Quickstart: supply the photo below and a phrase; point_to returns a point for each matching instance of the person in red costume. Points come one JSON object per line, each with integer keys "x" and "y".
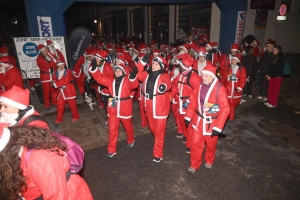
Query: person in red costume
{"x": 213, "y": 53}
{"x": 64, "y": 83}
{"x": 207, "y": 114}
{"x": 234, "y": 81}
{"x": 201, "y": 62}
{"x": 225, "y": 61}
{"x": 46, "y": 65}
{"x": 9, "y": 75}
{"x": 15, "y": 108}
{"x": 187, "y": 82}
{"x": 54, "y": 53}
{"x": 119, "y": 107}
{"x": 79, "y": 75}
{"x": 106, "y": 69}
{"x": 34, "y": 166}
{"x": 4, "y": 53}
{"x": 155, "y": 90}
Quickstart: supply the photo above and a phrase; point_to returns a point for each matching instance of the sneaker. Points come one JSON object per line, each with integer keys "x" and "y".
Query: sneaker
{"x": 155, "y": 159}
{"x": 32, "y": 89}
{"x": 258, "y": 97}
{"x": 208, "y": 166}
{"x": 188, "y": 150}
{"x": 250, "y": 96}
{"x": 131, "y": 144}
{"x": 110, "y": 155}
{"x": 271, "y": 106}
{"x": 179, "y": 135}
{"x": 106, "y": 123}
{"x": 243, "y": 95}
{"x": 75, "y": 119}
{"x": 191, "y": 171}
{"x": 266, "y": 103}
{"x": 184, "y": 139}
{"x": 143, "y": 128}
{"x": 57, "y": 121}
{"x": 243, "y": 100}
{"x": 48, "y": 108}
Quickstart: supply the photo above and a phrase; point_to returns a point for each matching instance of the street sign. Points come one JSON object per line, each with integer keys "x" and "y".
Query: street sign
{"x": 281, "y": 18}
{"x": 282, "y": 9}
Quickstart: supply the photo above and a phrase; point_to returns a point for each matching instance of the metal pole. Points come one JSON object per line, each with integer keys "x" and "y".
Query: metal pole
{"x": 277, "y": 33}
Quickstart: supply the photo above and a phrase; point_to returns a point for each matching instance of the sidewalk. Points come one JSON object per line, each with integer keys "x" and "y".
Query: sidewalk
{"x": 89, "y": 131}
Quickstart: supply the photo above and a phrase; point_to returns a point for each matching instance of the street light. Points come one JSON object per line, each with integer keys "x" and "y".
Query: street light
{"x": 95, "y": 21}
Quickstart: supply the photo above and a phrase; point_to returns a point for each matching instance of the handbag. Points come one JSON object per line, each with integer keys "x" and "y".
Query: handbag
{"x": 287, "y": 68}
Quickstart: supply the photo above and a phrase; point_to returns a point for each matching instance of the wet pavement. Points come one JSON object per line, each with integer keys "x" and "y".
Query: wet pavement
{"x": 258, "y": 159}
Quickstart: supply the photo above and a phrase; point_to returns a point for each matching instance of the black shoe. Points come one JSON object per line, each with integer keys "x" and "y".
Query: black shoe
{"x": 184, "y": 139}
{"x": 188, "y": 150}
{"x": 155, "y": 159}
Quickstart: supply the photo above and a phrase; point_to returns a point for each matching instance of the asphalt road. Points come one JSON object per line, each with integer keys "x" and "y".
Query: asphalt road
{"x": 258, "y": 159}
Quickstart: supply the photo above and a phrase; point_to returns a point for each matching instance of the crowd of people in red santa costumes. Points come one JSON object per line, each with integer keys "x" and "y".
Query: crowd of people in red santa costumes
{"x": 198, "y": 83}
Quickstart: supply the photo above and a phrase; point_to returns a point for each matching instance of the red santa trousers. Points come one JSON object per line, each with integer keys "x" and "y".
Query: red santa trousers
{"x": 197, "y": 146}
{"x": 187, "y": 131}
{"x": 114, "y": 124}
{"x": 144, "y": 121}
{"x": 273, "y": 90}
{"x": 60, "y": 107}
{"x": 158, "y": 129}
{"x": 233, "y": 103}
{"x": 47, "y": 91}
{"x": 174, "y": 108}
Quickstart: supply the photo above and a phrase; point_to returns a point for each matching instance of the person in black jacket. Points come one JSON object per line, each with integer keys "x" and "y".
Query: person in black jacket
{"x": 263, "y": 66}
{"x": 249, "y": 61}
{"x": 275, "y": 76}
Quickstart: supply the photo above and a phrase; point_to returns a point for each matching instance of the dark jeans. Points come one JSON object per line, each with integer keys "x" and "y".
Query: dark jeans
{"x": 248, "y": 87}
{"x": 263, "y": 83}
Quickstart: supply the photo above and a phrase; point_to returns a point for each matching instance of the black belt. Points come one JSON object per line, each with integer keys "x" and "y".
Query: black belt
{"x": 122, "y": 99}
{"x": 208, "y": 118}
{"x": 42, "y": 72}
{"x": 185, "y": 97}
{"x": 149, "y": 96}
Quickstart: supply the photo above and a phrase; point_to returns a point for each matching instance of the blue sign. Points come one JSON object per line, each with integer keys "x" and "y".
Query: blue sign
{"x": 29, "y": 49}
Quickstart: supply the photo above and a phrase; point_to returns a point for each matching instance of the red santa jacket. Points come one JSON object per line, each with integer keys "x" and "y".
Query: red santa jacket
{"x": 65, "y": 84}
{"x": 36, "y": 123}
{"x": 77, "y": 69}
{"x": 46, "y": 175}
{"x": 184, "y": 88}
{"x": 107, "y": 70}
{"x": 45, "y": 68}
{"x": 215, "y": 109}
{"x": 160, "y": 102}
{"x": 11, "y": 77}
{"x": 232, "y": 82}
{"x": 122, "y": 103}
{"x": 12, "y": 60}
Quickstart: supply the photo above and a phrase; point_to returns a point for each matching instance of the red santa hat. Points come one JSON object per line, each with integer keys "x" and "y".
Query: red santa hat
{"x": 201, "y": 51}
{"x": 234, "y": 47}
{"x": 156, "y": 51}
{"x": 143, "y": 46}
{"x": 161, "y": 61}
{"x": 49, "y": 43}
{"x": 60, "y": 62}
{"x": 109, "y": 47}
{"x": 185, "y": 61}
{"x": 120, "y": 67}
{"x": 101, "y": 55}
{"x": 209, "y": 69}
{"x": 3, "y": 49}
{"x": 214, "y": 45}
{"x": 41, "y": 47}
{"x": 122, "y": 58}
{"x": 270, "y": 41}
{"x": 4, "y": 137}
{"x": 5, "y": 61}
{"x": 185, "y": 46}
{"x": 141, "y": 55}
{"x": 16, "y": 97}
{"x": 237, "y": 57}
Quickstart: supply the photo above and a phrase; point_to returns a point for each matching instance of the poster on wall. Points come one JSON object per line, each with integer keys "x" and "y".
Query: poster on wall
{"x": 240, "y": 27}
{"x": 27, "y": 53}
{"x": 260, "y": 24}
{"x": 45, "y": 26}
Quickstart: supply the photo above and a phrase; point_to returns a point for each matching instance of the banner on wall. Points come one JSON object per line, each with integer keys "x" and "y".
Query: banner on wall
{"x": 260, "y": 25}
{"x": 240, "y": 26}
{"x": 45, "y": 26}
{"x": 27, "y": 53}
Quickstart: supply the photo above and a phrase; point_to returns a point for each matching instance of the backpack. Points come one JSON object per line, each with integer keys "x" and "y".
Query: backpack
{"x": 287, "y": 68}
{"x": 75, "y": 154}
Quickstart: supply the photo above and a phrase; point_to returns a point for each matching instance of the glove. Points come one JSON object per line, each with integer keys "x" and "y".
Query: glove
{"x": 53, "y": 85}
{"x": 162, "y": 88}
{"x": 133, "y": 73}
{"x": 187, "y": 122}
{"x": 185, "y": 105}
{"x": 146, "y": 58}
{"x": 237, "y": 90}
{"x": 73, "y": 73}
{"x": 215, "y": 133}
{"x": 94, "y": 65}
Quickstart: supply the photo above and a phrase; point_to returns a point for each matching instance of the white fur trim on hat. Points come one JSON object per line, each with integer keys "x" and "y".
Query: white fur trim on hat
{"x": 208, "y": 72}
{"x": 120, "y": 67}
{"x": 201, "y": 54}
{"x": 12, "y": 103}
{"x": 59, "y": 63}
{"x": 236, "y": 58}
{"x": 184, "y": 67}
{"x": 4, "y": 138}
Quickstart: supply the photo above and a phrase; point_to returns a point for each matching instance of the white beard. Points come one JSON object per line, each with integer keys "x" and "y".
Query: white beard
{"x": 134, "y": 57}
{"x": 234, "y": 68}
{"x": 60, "y": 73}
{"x": 201, "y": 66}
{"x": 52, "y": 50}
{"x": 48, "y": 57}
{"x": 9, "y": 118}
